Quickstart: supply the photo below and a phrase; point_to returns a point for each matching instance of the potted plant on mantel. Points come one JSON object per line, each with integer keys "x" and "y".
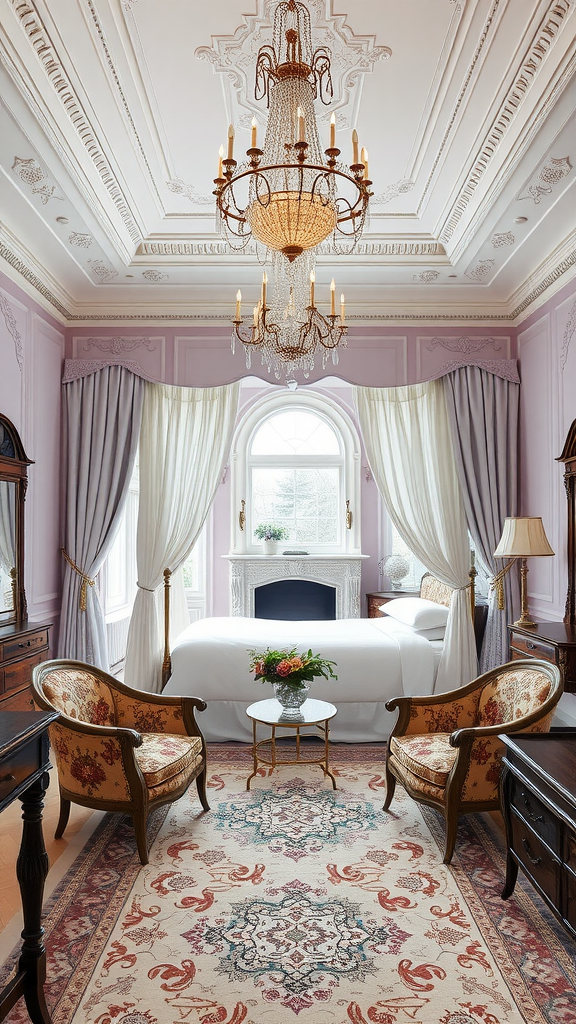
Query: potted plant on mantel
{"x": 271, "y": 535}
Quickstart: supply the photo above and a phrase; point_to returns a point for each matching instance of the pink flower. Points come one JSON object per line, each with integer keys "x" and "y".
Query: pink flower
{"x": 284, "y": 668}
{"x": 296, "y": 664}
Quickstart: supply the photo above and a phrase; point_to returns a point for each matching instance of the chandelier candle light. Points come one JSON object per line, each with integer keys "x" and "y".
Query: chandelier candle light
{"x": 290, "y": 197}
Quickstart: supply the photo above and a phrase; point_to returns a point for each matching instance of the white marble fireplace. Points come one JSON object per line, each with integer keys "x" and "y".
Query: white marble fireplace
{"x": 247, "y": 572}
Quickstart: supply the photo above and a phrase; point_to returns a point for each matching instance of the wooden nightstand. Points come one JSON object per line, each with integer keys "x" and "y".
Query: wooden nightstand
{"x": 552, "y": 641}
{"x": 379, "y": 597}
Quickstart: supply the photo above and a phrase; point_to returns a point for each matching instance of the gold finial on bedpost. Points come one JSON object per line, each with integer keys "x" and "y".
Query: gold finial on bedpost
{"x": 167, "y": 663}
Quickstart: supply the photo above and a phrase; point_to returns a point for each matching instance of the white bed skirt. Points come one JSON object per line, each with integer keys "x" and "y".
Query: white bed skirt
{"x": 376, "y": 659}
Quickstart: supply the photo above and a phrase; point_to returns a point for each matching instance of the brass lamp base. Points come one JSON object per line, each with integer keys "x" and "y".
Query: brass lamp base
{"x": 524, "y": 619}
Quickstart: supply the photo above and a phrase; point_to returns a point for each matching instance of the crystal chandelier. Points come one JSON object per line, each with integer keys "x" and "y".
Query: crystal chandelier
{"x": 289, "y": 197}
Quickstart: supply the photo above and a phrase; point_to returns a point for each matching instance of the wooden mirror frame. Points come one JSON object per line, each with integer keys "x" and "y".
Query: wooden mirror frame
{"x": 568, "y": 457}
{"x": 15, "y": 470}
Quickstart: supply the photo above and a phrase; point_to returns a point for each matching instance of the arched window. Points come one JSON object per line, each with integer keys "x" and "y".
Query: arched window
{"x": 295, "y": 466}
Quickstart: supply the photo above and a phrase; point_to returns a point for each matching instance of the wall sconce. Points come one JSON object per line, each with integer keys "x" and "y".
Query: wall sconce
{"x": 521, "y": 538}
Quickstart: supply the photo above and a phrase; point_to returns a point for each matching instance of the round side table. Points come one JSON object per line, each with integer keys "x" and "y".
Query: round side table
{"x": 268, "y": 712}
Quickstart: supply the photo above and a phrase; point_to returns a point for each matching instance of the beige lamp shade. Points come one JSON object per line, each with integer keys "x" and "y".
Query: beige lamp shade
{"x": 523, "y": 537}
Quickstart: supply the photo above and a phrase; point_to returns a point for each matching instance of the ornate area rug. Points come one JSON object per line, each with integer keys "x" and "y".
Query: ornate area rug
{"x": 295, "y": 903}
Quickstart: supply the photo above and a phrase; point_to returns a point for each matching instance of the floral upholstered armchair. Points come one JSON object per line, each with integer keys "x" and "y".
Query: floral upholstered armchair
{"x": 445, "y": 749}
{"x": 119, "y": 749}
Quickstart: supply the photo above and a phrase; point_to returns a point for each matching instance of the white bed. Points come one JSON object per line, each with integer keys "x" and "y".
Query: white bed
{"x": 376, "y": 659}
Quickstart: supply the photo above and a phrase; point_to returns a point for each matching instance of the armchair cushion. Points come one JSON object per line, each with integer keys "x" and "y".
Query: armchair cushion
{"x": 429, "y": 757}
{"x": 512, "y": 695}
{"x": 163, "y": 756}
{"x": 81, "y": 695}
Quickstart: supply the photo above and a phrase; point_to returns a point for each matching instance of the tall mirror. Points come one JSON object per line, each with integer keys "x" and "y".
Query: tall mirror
{"x": 13, "y": 483}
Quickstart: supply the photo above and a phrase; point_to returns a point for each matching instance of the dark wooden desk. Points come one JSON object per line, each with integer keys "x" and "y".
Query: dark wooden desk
{"x": 538, "y": 796}
{"x": 24, "y": 766}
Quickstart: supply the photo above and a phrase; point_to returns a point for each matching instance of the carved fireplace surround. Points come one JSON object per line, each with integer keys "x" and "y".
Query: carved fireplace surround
{"x": 247, "y": 572}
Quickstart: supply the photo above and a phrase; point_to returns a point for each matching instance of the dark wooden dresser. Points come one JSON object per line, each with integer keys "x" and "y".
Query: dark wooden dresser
{"x": 538, "y": 796}
{"x": 22, "y": 646}
{"x": 552, "y": 641}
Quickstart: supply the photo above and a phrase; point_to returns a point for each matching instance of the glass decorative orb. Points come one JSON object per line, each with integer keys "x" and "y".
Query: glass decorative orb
{"x": 396, "y": 568}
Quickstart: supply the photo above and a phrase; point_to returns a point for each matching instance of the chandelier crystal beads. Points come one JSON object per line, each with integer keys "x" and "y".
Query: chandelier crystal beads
{"x": 290, "y": 197}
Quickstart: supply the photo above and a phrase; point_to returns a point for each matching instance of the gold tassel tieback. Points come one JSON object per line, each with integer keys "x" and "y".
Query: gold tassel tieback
{"x": 86, "y": 581}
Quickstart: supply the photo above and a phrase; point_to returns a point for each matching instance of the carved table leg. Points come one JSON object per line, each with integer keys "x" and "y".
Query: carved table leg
{"x": 31, "y": 871}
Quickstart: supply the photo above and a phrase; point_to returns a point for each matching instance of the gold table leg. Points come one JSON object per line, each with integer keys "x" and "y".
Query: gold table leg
{"x": 254, "y": 756}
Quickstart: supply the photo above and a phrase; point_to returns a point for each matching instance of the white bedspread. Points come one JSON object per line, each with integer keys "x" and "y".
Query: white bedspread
{"x": 376, "y": 659}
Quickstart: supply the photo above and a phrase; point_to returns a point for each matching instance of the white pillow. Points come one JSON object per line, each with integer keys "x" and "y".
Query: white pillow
{"x": 416, "y": 612}
{"x": 431, "y": 634}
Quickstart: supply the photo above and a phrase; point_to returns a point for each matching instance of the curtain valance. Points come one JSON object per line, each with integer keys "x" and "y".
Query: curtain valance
{"x": 354, "y": 373}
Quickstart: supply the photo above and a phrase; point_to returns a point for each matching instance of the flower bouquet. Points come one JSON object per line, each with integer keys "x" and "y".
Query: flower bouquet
{"x": 291, "y": 674}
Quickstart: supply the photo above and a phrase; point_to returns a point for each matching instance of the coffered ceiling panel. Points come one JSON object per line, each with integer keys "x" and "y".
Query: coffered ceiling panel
{"x": 112, "y": 113}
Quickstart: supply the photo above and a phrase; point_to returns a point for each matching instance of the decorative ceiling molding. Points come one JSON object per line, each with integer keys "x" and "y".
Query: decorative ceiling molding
{"x": 545, "y": 179}
{"x": 39, "y": 39}
{"x": 501, "y": 239}
{"x": 102, "y": 270}
{"x": 32, "y": 279}
{"x": 155, "y": 276}
{"x": 453, "y": 117}
{"x": 352, "y": 57}
{"x": 117, "y": 83}
{"x": 32, "y": 173}
{"x": 80, "y": 239}
{"x": 17, "y": 263}
{"x": 392, "y": 192}
{"x": 531, "y": 64}
{"x": 12, "y": 328}
{"x": 480, "y": 271}
{"x": 181, "y": 188}
{"x": 165, "y": 247}
{"x": 568, "y": 334}
{"x": 426, "y": 276}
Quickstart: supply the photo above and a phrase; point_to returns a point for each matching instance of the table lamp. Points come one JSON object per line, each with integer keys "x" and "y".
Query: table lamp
{"x": 522, "y": 537}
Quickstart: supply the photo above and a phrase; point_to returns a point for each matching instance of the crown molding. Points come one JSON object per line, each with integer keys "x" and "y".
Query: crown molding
{"x": 167, "y": 247}
{"x": 551, "y": 276}
{"x": 45, "y": 50}
{"x": 531, "y": 64}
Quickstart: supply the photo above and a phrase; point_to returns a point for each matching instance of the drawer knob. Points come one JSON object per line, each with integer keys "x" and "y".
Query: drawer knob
{"x": 530, "y": 813}
{"x": 530, "y": 645}
{"x": 534, "y": 860}
{"x": 7, "y": 778}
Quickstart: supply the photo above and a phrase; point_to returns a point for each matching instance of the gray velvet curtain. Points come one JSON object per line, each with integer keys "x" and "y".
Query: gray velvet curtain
{"x": 103, "y": 412}
{"x": 483, "y": 415}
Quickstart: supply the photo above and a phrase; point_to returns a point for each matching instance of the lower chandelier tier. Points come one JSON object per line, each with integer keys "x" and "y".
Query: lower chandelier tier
{"x": 294, "y": 345}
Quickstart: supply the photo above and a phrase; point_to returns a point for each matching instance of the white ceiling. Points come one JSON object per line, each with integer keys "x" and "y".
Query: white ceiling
{"x": 112, "y": 113}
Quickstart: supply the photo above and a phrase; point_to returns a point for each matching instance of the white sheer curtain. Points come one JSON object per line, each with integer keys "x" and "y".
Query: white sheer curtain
{"x": 407, "y": 438}
{"x": 184, "y": 443}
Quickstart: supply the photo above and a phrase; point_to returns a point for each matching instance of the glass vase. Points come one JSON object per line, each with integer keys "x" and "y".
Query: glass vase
{"x": 291, "y": 698}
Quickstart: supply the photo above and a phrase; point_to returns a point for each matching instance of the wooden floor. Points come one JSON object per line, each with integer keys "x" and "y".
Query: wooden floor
{"x": 10, "y": 835}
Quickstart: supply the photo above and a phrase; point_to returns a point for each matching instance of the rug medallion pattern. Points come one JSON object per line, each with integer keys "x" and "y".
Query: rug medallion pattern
{"x": 295, "y": 904}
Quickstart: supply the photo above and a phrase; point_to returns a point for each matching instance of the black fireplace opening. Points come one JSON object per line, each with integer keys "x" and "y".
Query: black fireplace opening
{"x": 295, "y": 599}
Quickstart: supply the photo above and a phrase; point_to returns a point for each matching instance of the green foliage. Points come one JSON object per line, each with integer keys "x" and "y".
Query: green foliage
{"x": 289, "y": 667}
{"x": 267, "y": 531}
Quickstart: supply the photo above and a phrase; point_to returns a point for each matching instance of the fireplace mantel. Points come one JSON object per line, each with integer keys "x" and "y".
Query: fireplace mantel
{"x": 247, "y": 572}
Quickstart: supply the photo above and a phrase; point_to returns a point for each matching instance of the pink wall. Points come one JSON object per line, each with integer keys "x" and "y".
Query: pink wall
{"x": 32, "y": 345}
{"x": 547, "y": 360}
{"x": 377, "y": 356}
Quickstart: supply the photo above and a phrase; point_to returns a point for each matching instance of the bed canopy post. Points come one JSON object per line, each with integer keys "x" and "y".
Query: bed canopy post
{"x": 167, "y": 663}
